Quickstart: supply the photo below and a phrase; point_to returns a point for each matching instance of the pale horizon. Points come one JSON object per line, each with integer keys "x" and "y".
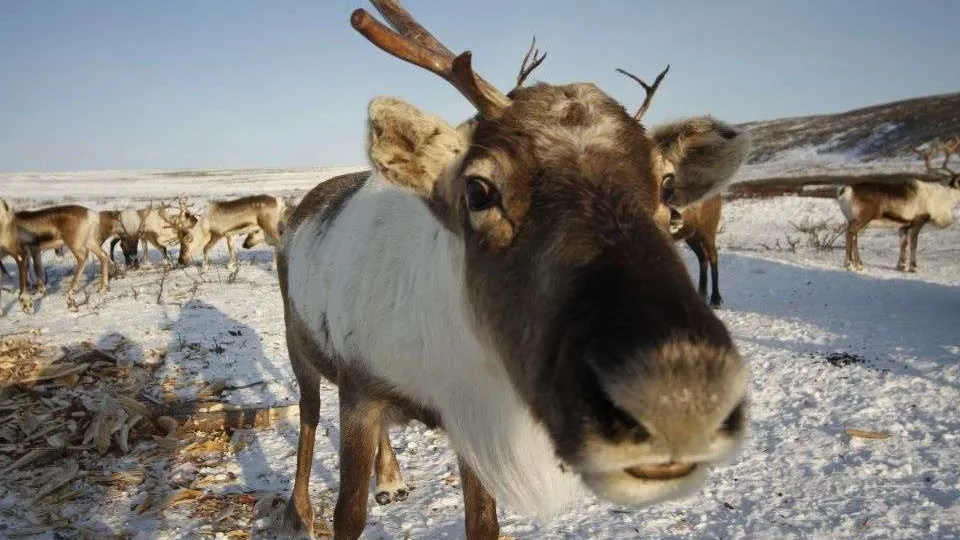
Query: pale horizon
{"x": 110, "y": 85}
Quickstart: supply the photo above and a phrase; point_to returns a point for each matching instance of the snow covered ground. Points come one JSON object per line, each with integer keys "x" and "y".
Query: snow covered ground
{"x": 830, "y": 350}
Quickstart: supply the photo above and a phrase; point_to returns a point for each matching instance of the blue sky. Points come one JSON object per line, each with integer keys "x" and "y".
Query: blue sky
{"x": 119, "y": 84}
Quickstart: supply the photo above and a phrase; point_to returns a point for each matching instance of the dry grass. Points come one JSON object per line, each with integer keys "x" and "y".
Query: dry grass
{"x": 821, "y": 235}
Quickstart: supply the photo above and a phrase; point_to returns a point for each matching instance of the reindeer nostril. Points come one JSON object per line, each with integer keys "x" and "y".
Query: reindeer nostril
{"x": 735, "y": 421}
{"x": 630, "y": 427}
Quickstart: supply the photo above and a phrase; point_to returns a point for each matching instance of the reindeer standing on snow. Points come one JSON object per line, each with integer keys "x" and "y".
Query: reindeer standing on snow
{"x": 907, "y": 205}
{"x": 26, "y": 233}
{"x": 695, "y": 222}
{"x": 227, "y": 219}
{"x": 152, "y": 226}
{"x": 512, "y": 282}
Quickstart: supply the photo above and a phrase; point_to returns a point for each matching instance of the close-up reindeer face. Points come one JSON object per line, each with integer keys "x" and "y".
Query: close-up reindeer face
{"x": 557, "y": 195}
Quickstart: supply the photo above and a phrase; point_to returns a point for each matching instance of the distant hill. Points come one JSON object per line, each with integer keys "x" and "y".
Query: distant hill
{"x": 890, "y": 130}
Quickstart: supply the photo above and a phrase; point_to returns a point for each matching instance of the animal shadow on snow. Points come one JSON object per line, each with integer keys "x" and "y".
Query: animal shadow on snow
{"x": 207, "y": 344}
{"x": 879, "y": 318}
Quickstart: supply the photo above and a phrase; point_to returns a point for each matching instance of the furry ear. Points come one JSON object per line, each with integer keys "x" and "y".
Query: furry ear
{"x": 411, "y": 148}
{"x": 705, "y": 152}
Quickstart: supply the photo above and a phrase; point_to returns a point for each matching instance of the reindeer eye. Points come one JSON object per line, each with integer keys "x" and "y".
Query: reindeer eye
{"x": 480, "y": 193}
{"x": 667, "y": 187}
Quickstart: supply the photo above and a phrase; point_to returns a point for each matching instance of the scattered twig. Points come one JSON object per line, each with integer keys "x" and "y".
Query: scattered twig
{"x": 863, "y": 434}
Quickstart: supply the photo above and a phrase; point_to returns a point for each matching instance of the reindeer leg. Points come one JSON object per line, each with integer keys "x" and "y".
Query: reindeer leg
{"x": 299, "y": 515}
{"x": 914, "y": 236}
{"x": 852, "y": 259}
{"x": 143, "y": 252}
{"x": 26, "y": 303}
{"x": 359, "y": 430}
{"x": 206, "y": 252}
{"x": 232, "y": 251}
{"x": 480, "y": 508}
{"x": 390, "y": 484}
{"x": 81, "y": 256}
{"x": 711, "y": 249}
{"x": 904, "y": 245}
{"x": 37, "y": 257}
{"x": 696, "y": 244}
{"x": 106, "y": 265}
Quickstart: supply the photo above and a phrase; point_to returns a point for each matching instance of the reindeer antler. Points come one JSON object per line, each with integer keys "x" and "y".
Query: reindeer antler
{"x": 414, "y": 44}
{"x": 650, "y": 89}
{"x": 948, "y": 148}
{"x": 172, "y": 223}
{"x": 526, "y": 70}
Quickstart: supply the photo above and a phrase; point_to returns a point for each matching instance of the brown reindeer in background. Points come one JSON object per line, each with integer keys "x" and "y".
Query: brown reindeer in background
{"x": 227, "y": 219}
{"x": 510, "y": 281}
{"x": 27, "y": 233}
{"x": 695, "y": 223}
{"x": 906, "y": 205}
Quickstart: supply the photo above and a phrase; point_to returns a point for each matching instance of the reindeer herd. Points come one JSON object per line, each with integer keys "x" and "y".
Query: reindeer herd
{"x": 26, "y": 234}
{"x": 512, "y": 279}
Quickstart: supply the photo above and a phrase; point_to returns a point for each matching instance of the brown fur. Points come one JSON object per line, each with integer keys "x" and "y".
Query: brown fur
{"x": 699, "y": 230}
{"x": 29, "y": 232}
{"x": 702, "y": 149}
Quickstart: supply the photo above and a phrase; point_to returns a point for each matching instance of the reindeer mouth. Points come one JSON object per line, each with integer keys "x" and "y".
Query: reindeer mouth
{"x": 667, "y": 471}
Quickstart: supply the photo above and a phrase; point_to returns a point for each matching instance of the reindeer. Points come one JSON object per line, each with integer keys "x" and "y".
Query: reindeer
{"x": 152, "y": 226}
{"x": 108, "y": 226}
{"x": 227, "y": 219}
{"x": 907, "y": 205}
{"x": 696, "y": 223}
{"x": 28, "y": 232}
{"x": 509, "y": 281}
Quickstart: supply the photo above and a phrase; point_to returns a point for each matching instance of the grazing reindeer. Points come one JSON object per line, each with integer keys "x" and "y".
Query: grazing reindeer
{"x": 695, "y": 223}
{"x": 508, "y": 281}
{"x": 907, "y": 205}
{"x": 28, "y": 232}
{"x": 116, "y": 224}
{"x": 253, "y": 239}
{"x": 152, "y": 226}
{"x": 227, "y": 219}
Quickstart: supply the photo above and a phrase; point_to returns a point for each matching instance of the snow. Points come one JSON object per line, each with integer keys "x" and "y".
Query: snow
{"x": 829, "y": 350}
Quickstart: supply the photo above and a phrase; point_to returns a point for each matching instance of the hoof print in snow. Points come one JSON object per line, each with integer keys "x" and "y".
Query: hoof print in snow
{"x": 387, "y": 497}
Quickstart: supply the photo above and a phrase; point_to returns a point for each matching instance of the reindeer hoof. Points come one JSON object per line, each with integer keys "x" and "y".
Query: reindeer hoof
{"x": 716, "y": 303}
{"x": 912, "y": 269}
{"x": 26, "y": 304}
{"x": 283, "y": 520}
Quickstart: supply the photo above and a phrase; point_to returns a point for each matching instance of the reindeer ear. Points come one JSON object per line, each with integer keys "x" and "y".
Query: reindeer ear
{"x": 411, "y": 148}
{"x": 706, "y": 153}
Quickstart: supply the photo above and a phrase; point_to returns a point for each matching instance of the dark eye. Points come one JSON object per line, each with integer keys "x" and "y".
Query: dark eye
{"x": 668, "y": 186}
{"x": 480, "y": 194}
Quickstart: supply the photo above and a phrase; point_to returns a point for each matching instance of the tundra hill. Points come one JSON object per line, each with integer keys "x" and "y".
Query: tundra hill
{"x": 889, "y": 130}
